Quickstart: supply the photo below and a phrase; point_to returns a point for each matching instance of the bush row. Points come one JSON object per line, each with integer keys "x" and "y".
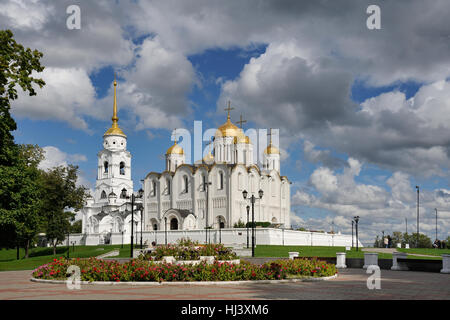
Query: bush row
{"x": 93, "y": 269}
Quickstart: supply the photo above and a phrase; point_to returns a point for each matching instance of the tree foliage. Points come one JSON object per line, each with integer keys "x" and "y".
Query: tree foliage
{"x": 19, "y": 176}
{"x": 60, "y": 194}
{"x": 16, "y": 66}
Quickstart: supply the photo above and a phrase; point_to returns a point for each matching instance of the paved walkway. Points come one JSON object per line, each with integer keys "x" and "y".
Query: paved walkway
{"x": 392, "y": 250}
{"x": 350, "y": 285}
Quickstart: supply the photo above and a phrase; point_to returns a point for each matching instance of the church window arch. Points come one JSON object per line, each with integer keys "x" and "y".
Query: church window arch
{"x": 220, "y": 185}
{"x": 240, "y": 181}
{"x": 122, "y": 168}
{"x": 105, "y": 166}
{"x": 153, "y": 188}
{"x": 168, "y": 186}
{"x": 103, "y": 195}
{"x": 203, "y": 182}
{"x": 186, "y": 184}
{"x": 123, "y": 194}
{"x": 174, "y": 224}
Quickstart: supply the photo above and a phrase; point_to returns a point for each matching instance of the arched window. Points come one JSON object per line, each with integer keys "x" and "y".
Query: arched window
{"x": 186, "y": 184}
{"x": 203, "y": 183}
{"x": 122, "y": 168}
{"x": 103, "y": 195}
{"x": 174, "y": 224}
{"x": 168, "y": 185}
{"x": 240, "y": 181}
{"x": 123, "y": 194}
{"x": 153, "y": 188}
{"x": 220, "y": 180}
{"x": 105, "y": 166}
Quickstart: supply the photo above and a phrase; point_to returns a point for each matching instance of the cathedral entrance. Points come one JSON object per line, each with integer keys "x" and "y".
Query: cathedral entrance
{"x": 174, "y": 224}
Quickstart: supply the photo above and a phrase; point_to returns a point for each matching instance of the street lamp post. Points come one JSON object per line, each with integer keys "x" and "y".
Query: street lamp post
{"x": 220, "y": 230}
{"x": 436, "y": 223}
{"x": 356, "y": 225}
{"x": 133, "y": 197}
{"x": 165, "y": 228}
{"x": 248, "y": 212}
{"x": 68, "y": 245}
{"x": 142, "y": 219}
{"x": 417, "y": 238}
{"x": 252, "y": 201}
{"x": 122, "y": 239}
{"x": 206, "y": 186}
{"x": 353, "y": 222}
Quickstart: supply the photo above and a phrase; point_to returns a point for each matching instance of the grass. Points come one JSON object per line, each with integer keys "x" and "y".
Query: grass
{"x": 40, "y": 256}
{"x": 429, "y": 252}
{"x": 309, "y": 251}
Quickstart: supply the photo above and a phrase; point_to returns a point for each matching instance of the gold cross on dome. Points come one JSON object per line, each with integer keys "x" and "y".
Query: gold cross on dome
{"x": 270, "y": 135}
{"x": 175, "y": 134}
{"x": 229, "y": 109}
{"x": 242, "y": 121}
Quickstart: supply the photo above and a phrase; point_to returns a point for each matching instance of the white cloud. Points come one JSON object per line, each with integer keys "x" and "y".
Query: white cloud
{"x": 67, "y": 96}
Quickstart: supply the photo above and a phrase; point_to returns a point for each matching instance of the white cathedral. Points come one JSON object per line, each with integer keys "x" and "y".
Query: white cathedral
{"x": 207, "y": 194}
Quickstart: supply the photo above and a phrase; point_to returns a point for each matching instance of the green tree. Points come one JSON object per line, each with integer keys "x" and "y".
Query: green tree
{"x": 76, "y": 227}
{"x": 239, "y": 224}
{"x": 16, "y": 66}
{"x": 397, "y": 237}
{"x": 60, "y": 194}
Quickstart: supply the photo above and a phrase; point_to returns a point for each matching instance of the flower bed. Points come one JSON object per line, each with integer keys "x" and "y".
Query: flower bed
{"x": 93, "y": 269}
{"x": 186, "y": 249}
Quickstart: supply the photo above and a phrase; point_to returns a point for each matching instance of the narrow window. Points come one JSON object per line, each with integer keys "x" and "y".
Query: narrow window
{"x": 186, "y": 184}
{"x": 204, "y": 183}
{"x": 105, "y": 165}
{"x": 221, "y": 180}
{"x": 103, "y": 195}
{"x": 168, "y": 186}
{"x": 153, "y": 188}
{"x": 122, "y": 168}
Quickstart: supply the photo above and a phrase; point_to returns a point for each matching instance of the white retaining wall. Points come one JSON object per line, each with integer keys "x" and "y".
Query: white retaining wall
{"x": 234, "y": 236}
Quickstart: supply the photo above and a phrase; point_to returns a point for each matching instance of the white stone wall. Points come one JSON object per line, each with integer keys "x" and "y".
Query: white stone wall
{"x": 237, "y": 236}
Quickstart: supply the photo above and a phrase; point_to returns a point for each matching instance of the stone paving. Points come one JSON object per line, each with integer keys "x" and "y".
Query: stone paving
{"x": 349, "y": 285}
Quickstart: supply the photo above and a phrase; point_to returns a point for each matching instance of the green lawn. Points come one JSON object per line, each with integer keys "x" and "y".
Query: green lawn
{"x": 309, "y": 251}
{"x": 430, "y": 252}
{"x": 40, "y": 256}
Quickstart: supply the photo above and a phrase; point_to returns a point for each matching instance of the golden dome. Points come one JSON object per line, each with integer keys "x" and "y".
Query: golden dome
{"x": 115, "y": 130}
{"x": 175, "y": 149}
{"x": 228, "y": 129}
{"x": 209, "y": 158}
{"x": 271, "y": 149}
{"x": 242, "y": 138}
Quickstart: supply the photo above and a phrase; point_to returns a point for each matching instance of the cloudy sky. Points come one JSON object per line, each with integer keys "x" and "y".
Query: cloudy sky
{"x": 363, "y": 115}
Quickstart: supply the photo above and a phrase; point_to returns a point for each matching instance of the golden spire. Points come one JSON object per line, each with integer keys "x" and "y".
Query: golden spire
{"x": 115, "y": 130}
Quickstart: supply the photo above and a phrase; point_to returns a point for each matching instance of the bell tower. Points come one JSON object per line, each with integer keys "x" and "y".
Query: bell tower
{"x": 114, "y": 163}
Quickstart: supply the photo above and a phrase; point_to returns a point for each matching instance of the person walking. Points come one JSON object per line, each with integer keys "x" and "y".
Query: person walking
{"x": 386, "y": 242}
